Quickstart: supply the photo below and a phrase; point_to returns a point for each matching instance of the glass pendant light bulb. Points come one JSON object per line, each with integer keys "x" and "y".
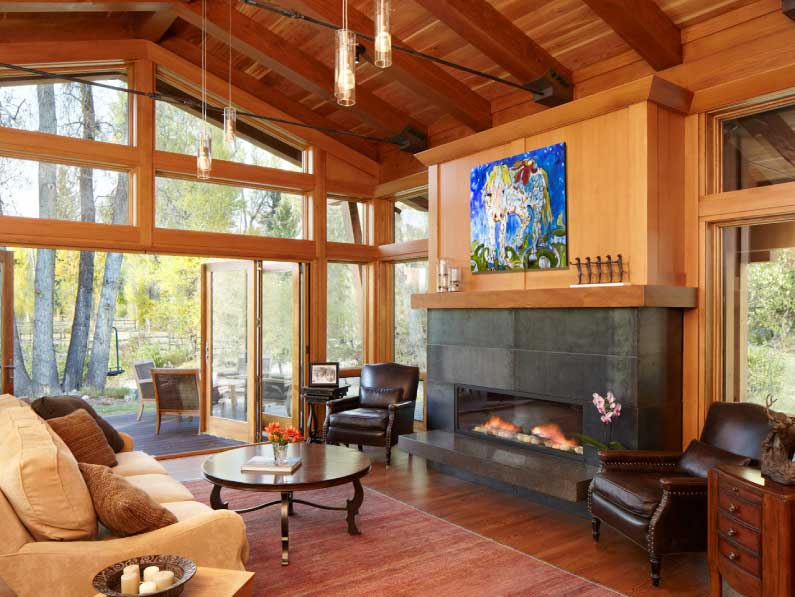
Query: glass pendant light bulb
{"x": 345, "y": 67}
{"x": 230, "y": 125}
{"x": 383, "y": 39}
{"x": 204, "y": 157}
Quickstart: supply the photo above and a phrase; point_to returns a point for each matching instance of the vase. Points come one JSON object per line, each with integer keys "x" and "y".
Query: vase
{"x": 279, "y": 454}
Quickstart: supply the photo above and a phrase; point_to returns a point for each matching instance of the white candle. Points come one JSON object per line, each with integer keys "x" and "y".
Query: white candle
{"x": 164, "y": 579}
{"x": 133, "y": 569}
{"x": 129, "y": 583}
{"x": 149, "y": 586}
{"x": 150, "y": 572}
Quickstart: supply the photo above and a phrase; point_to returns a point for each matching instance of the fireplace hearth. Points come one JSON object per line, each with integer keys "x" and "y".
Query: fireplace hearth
{"x": 547, "y": 423}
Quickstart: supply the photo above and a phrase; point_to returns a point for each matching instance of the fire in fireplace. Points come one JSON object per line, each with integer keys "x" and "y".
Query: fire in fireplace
{"x": 528, "y": 421}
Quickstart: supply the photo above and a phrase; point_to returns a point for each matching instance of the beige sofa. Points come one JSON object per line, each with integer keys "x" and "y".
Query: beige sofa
{"x": 54, "y": 568}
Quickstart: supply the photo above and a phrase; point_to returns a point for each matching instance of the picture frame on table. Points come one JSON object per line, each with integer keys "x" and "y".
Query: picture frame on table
{"x": 324, "y": 375}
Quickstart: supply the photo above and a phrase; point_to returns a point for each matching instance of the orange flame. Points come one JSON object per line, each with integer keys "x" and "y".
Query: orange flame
{"x": 496, "y": 422}
{"x": 554, "y": 433}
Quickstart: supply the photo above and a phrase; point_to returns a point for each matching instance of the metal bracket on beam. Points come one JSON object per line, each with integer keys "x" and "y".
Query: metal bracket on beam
{"x": 411, "y": 139}
{"x": 552, "y": 89}
{"x": 788, "y": 8}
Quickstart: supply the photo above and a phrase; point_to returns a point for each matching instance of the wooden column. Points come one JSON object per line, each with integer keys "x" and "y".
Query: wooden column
{"x": 143, "y": 135}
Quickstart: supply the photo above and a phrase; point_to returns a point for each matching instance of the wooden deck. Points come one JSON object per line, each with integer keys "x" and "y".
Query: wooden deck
{"x": 175, "y": 436}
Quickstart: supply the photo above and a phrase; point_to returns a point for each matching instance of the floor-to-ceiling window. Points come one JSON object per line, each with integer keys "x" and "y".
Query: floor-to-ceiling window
{"x": 410, "y": 331}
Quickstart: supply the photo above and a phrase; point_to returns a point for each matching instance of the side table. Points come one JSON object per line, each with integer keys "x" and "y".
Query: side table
{"x": 311, "y": 397}
{"x": 213, "y": 582}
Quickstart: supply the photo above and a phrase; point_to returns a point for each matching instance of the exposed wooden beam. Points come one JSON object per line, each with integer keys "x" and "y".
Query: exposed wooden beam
{"x": 483, "y": 26}
{"x": 65, "y": 27}
{"x": 262, "y": 45}
{"x": 425, "y": 78}
{"x": 266, "y": 93}
{"x": 85, "y": 6}
{"x": 645, "y": 28}
{"x": 154, "y": 26}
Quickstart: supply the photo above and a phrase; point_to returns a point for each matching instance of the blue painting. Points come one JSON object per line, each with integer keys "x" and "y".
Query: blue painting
{"x": 517, "y": 212}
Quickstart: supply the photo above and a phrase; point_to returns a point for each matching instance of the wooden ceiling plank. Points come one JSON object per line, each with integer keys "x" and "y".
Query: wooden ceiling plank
{"x": 483, "y": 26}
{"x": 425, "y": 78}
{"x": 262, "y": 45}
{"x": 155, "y": 26}
{"x": 86, "y": 6}
{"x": 266, "y": 93}
{"x": 645, "y": 28}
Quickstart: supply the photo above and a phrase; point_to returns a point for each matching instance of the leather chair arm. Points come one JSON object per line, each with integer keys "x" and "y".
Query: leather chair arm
{"x": 679, "y": 523}
{"x": 639, "y": 460}
{"x": 401, "y": 418}
{"x": 679, "y": 484}
{"x": 340, "y": 404}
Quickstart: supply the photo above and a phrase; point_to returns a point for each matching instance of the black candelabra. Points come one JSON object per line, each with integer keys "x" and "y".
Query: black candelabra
{"x": 600, "y": 271}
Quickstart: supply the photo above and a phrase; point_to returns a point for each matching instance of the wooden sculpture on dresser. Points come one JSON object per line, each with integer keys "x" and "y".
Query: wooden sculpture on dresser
{"x": 778, "y": 448}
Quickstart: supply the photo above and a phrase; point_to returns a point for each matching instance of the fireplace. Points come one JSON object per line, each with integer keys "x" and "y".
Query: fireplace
{"x": 548, "y": 423}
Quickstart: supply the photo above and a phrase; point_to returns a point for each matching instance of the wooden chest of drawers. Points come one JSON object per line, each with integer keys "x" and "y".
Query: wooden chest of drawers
{"x": 751, "y": 533}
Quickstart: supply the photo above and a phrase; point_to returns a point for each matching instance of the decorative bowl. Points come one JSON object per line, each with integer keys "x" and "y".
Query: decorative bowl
{"x": 108, "y": 581}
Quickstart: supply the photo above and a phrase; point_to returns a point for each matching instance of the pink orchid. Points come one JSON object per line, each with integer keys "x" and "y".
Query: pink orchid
{"x": 608, "y": 409}
{"x": 599, "y": 402}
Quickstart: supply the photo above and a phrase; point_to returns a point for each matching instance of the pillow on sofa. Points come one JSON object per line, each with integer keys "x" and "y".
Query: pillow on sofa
{"x": 700, "y": 457}
{"x": 380, "y": 397}
{"x": 40, "y": 478}
{"x": 123, "y": 508}
{"x": 85, "y": 439}
{"x": 50, "y": 407}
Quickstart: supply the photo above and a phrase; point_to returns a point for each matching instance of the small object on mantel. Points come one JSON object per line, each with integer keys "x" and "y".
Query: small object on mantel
{"x": 598, "y": 269}
{"x": 609, "y": 269}
{"x": 778, "y": 448}
{"x": 455, "y": 279}
{"x": 588, "y": 265}
{"x": 600, "y": 276}
{"x": 578, "y": 263}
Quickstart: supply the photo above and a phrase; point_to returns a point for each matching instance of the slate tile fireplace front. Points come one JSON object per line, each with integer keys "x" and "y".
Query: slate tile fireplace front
{"x": 563, "y": 355}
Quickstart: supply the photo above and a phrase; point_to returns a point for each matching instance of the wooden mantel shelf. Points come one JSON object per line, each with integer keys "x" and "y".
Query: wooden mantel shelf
{"x": 678, "y": 297}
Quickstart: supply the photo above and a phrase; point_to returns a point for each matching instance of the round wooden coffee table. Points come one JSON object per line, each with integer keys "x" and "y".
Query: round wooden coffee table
{"x": 322, "y": 466}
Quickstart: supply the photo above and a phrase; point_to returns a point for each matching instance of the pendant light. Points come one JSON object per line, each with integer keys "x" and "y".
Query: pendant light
{"x": 383, "y": 39}
{"x": 345, "y": 62}
{"x": 230, "y": 113}
{"x": 204, "y": 155}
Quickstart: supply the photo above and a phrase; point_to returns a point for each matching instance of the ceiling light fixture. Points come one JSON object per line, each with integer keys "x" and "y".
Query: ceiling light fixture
{"x": 345, "y": 62}
{"x": 383, "y": 39}
{"x": 204, "y": 155}
{"x": 230, "y": 114}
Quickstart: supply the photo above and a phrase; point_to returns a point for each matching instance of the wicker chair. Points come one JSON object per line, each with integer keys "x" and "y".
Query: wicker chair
{"x": 176, "y": 393}
{"x": 143, "y": 378}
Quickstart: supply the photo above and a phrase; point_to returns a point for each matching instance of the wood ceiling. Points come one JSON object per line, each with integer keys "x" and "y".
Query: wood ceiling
{"x": 289, "y": 63}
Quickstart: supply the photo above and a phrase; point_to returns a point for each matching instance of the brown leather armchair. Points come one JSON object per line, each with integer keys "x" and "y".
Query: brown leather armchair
{"x": 383, "y": 410}
{"x": 659, "y": 499}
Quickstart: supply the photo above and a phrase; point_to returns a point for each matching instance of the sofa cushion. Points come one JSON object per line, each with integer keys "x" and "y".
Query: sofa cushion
{"x": 360, "y": 418}
{"x": 137, "y": 463}
{"x": 85, "y": 439}
{"x": 122, "y": 508}
{"x": 161, "y": 488}
{"x": 50, "y": 407}
{"x": 9, "y": 401}
{"x": 700, "y": 457}
{"x": 186, "y": 510}
{"x": 380, "y": 397}
{"x": 636, "y": 492}
{"x": 40, "y": 478}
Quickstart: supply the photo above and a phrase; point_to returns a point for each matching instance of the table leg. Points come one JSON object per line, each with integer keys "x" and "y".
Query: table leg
{"x": 353, "y": 507}
{"x": 285, "y": 528}
{"x": 310, "y": 424}
{"x": 291, "y": 511}
{"x": 215, "y": 499}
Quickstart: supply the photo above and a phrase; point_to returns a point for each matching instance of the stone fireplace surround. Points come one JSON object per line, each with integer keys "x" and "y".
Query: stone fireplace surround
{"x": 570, "y": 353}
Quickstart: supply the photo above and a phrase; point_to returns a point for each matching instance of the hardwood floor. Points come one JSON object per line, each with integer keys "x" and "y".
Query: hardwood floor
{"x": 555, "y": 537}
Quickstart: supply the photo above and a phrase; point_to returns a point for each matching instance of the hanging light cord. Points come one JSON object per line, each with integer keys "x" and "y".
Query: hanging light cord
{"x": 292, "y": 14}
{"x": 229, "y": 43}
{"x": 196, "y": 104}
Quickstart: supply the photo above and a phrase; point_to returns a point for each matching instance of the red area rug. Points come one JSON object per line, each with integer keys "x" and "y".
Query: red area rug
{"x": 401, "y": 551}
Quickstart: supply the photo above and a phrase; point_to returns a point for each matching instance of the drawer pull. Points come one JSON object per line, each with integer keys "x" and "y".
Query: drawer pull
{"x": 732, "y": 508}
{"x": 731, "y": 532}
{"x": 736, "y": 489}
{"x": 732, "y": 556}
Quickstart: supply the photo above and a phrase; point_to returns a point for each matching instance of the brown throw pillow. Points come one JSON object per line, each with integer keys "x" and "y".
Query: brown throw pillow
{"x": 380, "y": 397}
{"x": 700, "y": 457}
{"x": 122, "y": 508}
{"x": 50, "y": 407}
{"x": 85, "y": 439}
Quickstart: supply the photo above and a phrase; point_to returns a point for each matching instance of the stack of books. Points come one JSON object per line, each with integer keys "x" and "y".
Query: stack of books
{"x": 265, "y": 465}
